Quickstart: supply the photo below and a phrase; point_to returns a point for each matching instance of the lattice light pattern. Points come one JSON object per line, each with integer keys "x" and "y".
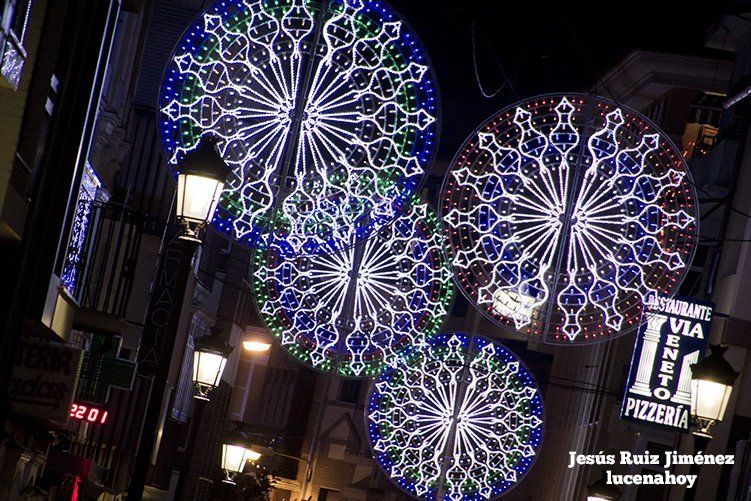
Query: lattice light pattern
{"x": 325, "y": 109}
{"x": 351, "y": 310}
{"x": 565, "y": 214}
{"x": 460, "y": 419}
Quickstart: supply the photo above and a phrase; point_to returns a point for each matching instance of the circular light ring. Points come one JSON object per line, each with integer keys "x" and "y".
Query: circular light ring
{"x": 326, "y": 110}
{"x": 461, "y": 419}
{"x": 565, "y": 214}
{"x": 351, "y": 310}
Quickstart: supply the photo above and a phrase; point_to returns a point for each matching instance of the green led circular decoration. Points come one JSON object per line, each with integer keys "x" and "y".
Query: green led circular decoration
{"x": 354, "y": 308}
{"x": 326, "y": 110}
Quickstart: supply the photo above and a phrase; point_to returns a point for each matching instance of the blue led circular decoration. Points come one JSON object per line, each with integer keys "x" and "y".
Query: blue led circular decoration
{"x": 460, "y": 419}
{"x": 566, "y": 214}
{"x": 326, "y": 110}
{"x": 351, "y": 310}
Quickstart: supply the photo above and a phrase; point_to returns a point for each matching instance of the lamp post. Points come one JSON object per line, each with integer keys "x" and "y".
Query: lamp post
{"x": 712, "y": 380}
{"x": 200, "y": 183}
{"x": 602, "y": 491}
{"x": 209, "y": 360}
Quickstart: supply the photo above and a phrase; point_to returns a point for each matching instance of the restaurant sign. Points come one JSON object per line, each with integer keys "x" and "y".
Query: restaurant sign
{"x": 44, "y": 379}
{"x": 673, "y": 335}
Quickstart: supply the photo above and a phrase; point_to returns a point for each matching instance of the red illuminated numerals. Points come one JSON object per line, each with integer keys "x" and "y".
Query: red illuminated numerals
{"x": 90, "y": 414}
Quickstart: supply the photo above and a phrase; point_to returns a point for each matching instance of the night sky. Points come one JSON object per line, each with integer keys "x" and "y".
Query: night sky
{"x": 541, "y": 48}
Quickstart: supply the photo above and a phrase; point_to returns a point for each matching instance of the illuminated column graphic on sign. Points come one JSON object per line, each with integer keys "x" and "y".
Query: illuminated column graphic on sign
{"x": 683, "y": 395}
{"x": 648, "y": 352}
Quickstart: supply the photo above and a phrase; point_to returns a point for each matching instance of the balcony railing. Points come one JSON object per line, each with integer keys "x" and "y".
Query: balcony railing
{"x": 101, "y": 261}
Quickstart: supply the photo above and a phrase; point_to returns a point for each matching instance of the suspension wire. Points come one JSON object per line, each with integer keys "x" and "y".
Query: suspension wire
{"x": 504, "y": 74}
{"x": 582, "y": 382}
{"x": 592, "y": 391}
{"x": 476, "y": 70}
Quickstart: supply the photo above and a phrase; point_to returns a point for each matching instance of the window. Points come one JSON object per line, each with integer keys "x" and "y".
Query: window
{"x": 656, "y": 110}
{"x": 702, "y": 125}
{"x": 276, "y": 398}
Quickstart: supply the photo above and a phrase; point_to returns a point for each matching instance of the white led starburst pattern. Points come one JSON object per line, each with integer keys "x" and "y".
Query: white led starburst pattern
{"x": 565, "y": 214}
{"x": 325, "y": 109}
{"x": 460, "y": 419}
{"x": 351, "y": 310}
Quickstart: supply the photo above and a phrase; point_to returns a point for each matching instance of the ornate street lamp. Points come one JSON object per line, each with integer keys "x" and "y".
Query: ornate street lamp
{"x": 209, "y": 360}
{"x": 256, "y": 339}
{"x": 712, "y": 381}
{"x": 200, "y": 183}
{"x": 602, "y": 491}
{"x": 236, "y": 451}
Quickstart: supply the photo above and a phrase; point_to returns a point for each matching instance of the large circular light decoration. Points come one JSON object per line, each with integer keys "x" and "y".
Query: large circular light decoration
{"x": 565, "y": 214}
{"x": 461, "y": 419}
{"x": 325, "y": 109}
{"x": 352, "y": 309}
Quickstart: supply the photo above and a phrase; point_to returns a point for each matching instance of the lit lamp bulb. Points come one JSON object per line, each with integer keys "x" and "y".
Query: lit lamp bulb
{"x": 209, "y": 360}
{"x": 712, "y": 381}
{"x": 200, "y": 182}
{"x": 236, "y": 451}
{"x": 256, "y": 339}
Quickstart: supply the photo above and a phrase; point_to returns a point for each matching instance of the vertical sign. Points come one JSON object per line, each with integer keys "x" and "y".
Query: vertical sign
{"x": 166, "y": 297}
{"x": 673, "y": 336}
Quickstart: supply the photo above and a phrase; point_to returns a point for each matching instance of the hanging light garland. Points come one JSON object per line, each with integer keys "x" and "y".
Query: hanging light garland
{"x": 352, "y": 309}
{"x": 565, "y": 214}
{"x": 326, "y": 110}
{"x": 460, "y": 419}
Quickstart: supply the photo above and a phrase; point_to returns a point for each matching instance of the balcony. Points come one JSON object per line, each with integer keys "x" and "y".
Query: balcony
{"x": 100, "y": 266}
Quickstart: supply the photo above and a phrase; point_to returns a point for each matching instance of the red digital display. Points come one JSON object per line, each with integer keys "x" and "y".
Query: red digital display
{"x": 88, "y": 413}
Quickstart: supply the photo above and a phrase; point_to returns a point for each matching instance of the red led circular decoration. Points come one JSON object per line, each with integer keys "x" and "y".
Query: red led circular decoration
{"x": 565, "y": 213}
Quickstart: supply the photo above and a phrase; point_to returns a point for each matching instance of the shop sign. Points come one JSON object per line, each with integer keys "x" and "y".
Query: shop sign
{"x": 673, "y": 336}
{"x": 44, "y": 379}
